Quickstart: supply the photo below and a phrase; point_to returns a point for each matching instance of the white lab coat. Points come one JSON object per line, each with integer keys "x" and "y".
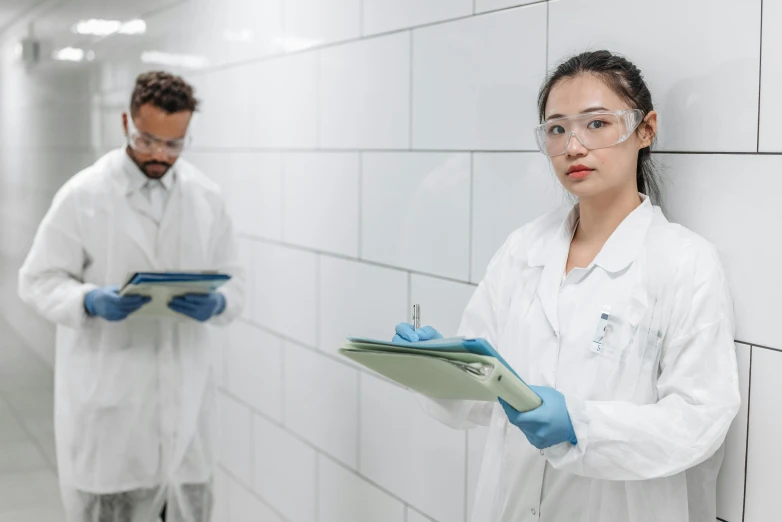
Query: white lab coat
{"x": 135, "y": 401}
{"x": 650, "y": 410}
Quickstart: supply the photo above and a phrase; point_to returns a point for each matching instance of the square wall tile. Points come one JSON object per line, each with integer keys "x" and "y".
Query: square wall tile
{"x": 286, "y": 289}
{"x": 764, "y": 473}
{"x": 410, "y": 454}
{"x": 255, "y": 368}
{"x": 345, "y": 496}
{"x": 442, "y": 302}
{"x": 730, "y": 486}
{"x": 731, "y": 201}
{"x": 283, "y": 102}
{"x": 771, "y": 79}
{"x": 365, "y": 94}
{"x": 408, "y": 200}
{"x": 312, "y": 23}
{"x": 321, "y": 201}
{"x": 689, "y": 72}
{"x": 475, "y": 81}
{"x": 321, "y": 402}
{"x": 285, "y": 472}
{"x": 252, "y": 189}
{"x": 390, "y": 15}
{"x": 509, "y": 190}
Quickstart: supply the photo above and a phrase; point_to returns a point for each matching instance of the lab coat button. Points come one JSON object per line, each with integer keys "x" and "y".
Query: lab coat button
{"x": 534, "y": 512}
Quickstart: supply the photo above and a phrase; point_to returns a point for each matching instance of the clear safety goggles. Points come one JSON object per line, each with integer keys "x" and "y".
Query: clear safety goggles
{"x": 145, "y": 143}
{"x": 594, "y": 130}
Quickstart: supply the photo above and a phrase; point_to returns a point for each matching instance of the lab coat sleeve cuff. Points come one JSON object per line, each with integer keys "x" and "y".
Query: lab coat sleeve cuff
{"x": 82, "y": 316}
{"x": 566, "y": 454}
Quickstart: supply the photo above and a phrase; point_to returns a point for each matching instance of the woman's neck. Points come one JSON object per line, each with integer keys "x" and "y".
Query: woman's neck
{"x": 600, "y": 216}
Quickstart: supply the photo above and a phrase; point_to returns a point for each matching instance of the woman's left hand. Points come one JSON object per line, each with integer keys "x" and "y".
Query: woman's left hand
{"x": 547, "y": 425}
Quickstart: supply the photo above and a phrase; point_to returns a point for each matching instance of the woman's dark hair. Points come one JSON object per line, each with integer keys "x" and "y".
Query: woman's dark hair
{"x": 626, "y": 80}
{"x": 165, "y": 91}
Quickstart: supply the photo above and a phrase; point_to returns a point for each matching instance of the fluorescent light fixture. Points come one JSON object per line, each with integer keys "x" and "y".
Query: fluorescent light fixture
{"x": 133, "y": 27}
{"x": 186, "y": 61}
{"x": 69, "y": 54}
{"x": 100, "y": 27}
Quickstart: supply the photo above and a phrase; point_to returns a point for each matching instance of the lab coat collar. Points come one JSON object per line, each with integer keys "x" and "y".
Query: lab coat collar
{"x": 618, "y": 252}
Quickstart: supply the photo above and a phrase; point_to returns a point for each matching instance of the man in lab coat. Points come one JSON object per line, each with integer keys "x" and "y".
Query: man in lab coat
{"x": 135, "y": 395}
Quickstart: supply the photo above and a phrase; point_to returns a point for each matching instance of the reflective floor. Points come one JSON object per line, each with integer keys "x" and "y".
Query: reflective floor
{"x": 28, "y": 482}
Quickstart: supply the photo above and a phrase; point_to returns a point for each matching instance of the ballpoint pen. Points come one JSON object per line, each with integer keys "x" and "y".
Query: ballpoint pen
{"x": 416, "y": 316}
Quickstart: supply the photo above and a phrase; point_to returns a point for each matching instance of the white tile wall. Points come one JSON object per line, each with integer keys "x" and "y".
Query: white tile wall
{"x": 509, "y": 190}
{"x": 344, "y": 495}
{"x": 286, "y": 289}
{"x": 321, "y": 201}
{"x": 254, "y": 365}
{"x": 242, "y": 502}
{"x": 771, "y": 79}
{"x": 365, "y": 94}
{"x": 472, "y": 87}
{"x": 689, "y": 72}
{"x": 415, "y": 208}
{"x": 285, "y": 471}
{"x": 476, "y": 444}
{"x": 359, "y": 300}
{"x": 283, "y": 105}
{"x": 730, "y": 488}
{"x": 388, "y": 15}
{"x": 409, "y": 453}
{"x": 413, "y": 88}
{"x": 321, "y": 402}
{"x": 719, "y": 197}
{"x": 311, "y": 23}
{"x": 252, "y": 188}
{"x": 492, "y": 5}
{"x": 765, "y": 430}
{"x": 235, "y": 443}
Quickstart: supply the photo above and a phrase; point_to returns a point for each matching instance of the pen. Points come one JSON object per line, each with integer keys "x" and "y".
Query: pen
{"x": 416, "y": 316}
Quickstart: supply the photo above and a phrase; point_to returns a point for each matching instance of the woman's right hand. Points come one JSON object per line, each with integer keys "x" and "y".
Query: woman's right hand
{"x": 405, "y": 333}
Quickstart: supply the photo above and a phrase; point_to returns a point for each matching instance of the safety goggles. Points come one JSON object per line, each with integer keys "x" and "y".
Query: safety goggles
{"x": 146, "y": 143}
{"x": 594, "y": 130}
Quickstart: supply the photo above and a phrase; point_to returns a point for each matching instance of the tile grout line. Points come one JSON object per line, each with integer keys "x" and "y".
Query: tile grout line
{"x": 760, "y": 74}
{"x": 334, "y": 255}
{"x": 746, "y": 442}
{"x": 411, "y": 93}
{"x": 51, "y": 466}
{"x": 471, "y": 228}
{"x": 251, "y": 491}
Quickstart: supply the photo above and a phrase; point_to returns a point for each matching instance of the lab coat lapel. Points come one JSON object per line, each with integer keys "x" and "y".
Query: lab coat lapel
{"x": 553, "y": 257}
{"x": 126, "y": 219}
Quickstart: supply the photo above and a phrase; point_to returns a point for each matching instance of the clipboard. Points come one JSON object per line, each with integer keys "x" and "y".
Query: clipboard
{"x": 161, "y": 287}
{"x": 455, "y": 368}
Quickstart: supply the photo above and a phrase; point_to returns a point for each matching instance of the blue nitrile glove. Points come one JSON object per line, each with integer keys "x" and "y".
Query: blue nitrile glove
{"x": 200, "y": 307}
{"x": 406, "y": 334}
{"x": 547, "y": 425}
{"x": 108, "y": 304}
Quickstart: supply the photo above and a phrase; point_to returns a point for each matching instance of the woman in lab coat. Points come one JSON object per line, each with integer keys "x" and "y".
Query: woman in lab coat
{"x": 622, "y": 321}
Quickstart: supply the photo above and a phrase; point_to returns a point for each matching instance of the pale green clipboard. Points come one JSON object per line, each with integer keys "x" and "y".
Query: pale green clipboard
{"x": 444, "y": 374}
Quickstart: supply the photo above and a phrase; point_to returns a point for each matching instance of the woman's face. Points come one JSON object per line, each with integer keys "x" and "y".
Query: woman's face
{"x": 589, "y": 173}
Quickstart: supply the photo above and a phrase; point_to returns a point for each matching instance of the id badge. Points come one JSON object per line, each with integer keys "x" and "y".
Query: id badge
{"x": 602, "y": 330}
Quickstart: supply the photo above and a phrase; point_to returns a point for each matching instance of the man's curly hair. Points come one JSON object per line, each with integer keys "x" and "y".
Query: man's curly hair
{"x": 165, "y": 91}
